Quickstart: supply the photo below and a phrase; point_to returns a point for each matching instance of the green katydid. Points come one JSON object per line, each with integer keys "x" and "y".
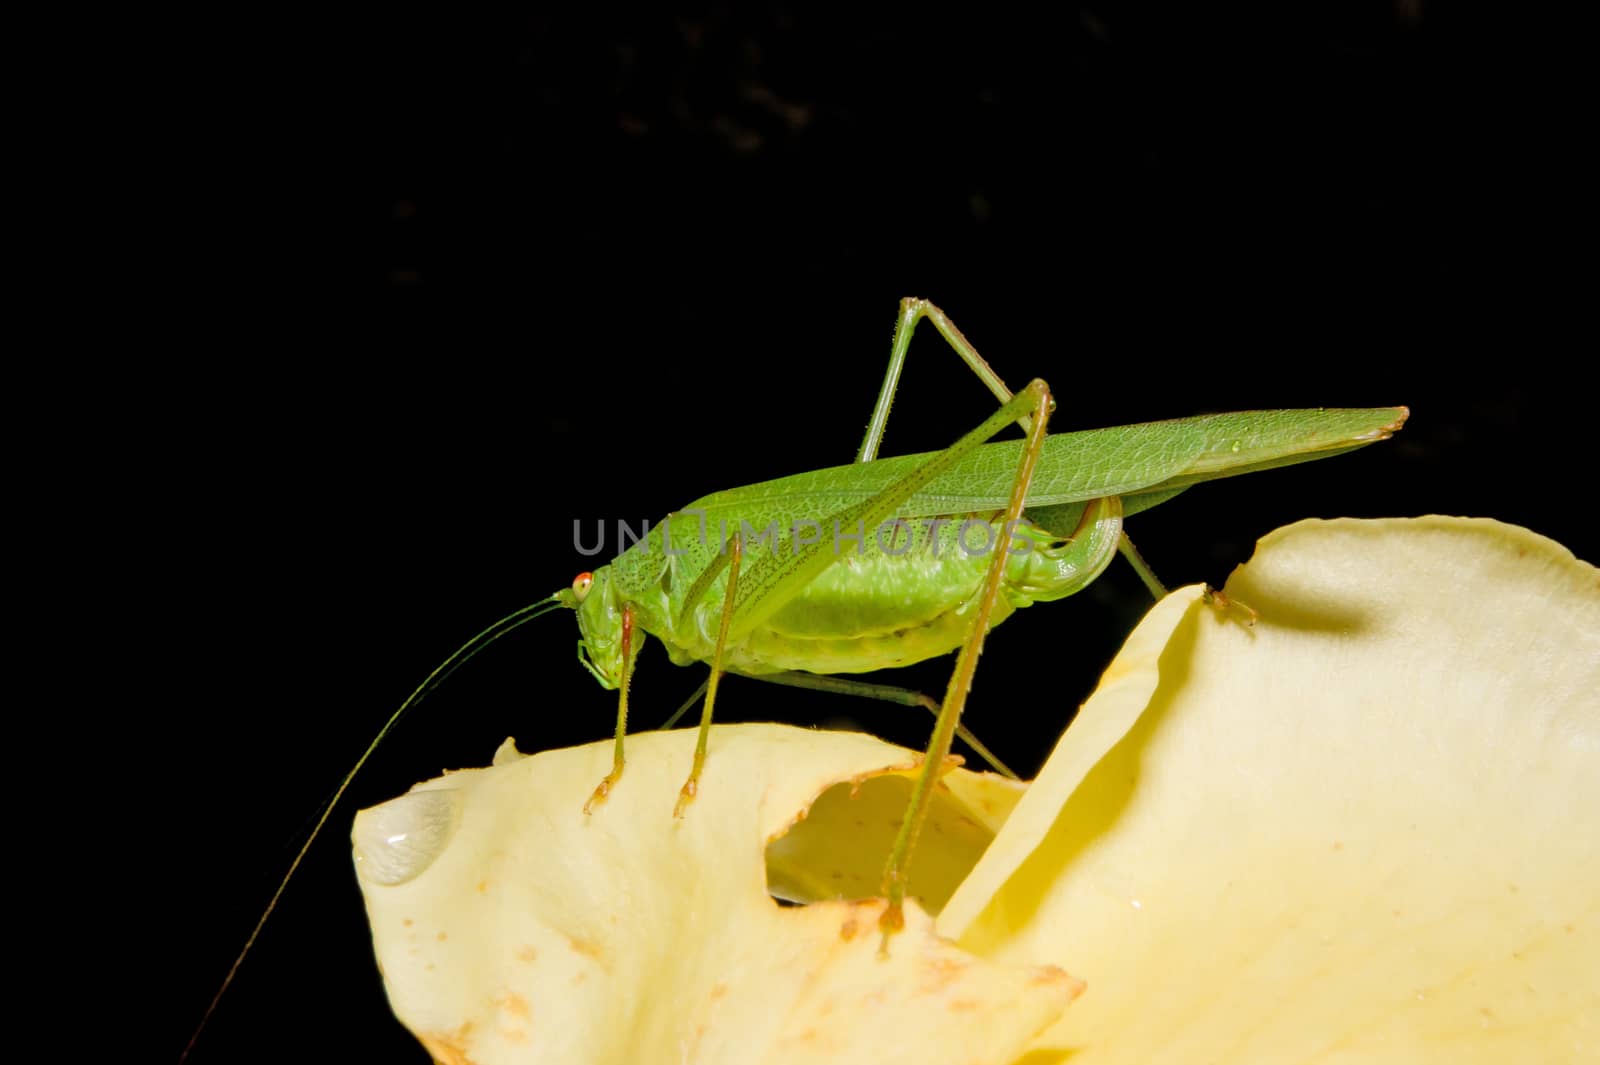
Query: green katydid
{"x": 889, "y": 575}
{"x": 886, "y": 562}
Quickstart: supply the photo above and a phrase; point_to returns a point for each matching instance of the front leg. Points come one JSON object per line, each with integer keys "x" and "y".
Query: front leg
{"x": 618, "y": 759}
{"x": 691, "y": 787}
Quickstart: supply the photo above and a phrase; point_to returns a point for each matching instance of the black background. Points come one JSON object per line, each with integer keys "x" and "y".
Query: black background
{"x": 474, "y": 280}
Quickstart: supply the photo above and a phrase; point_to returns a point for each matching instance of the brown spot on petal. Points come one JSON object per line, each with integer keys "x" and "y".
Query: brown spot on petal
{"x": 512, "y": 1002}
{"x": 718, "y": 990}
{"x": 449, "y": 1048}
{"x": 588, "y": 948}
{"x": 441, "y": 937}
{"x": 1050, "y": 974}
{"x": 940, "y": 974}
{"x": 848, "y": 930}
{"x": 526, "y": 953}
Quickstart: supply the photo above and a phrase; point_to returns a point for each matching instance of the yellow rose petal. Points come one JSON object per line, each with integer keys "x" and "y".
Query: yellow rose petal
{"x": 839, "y": 850}
{"x": 510, "y": 927}
{"x": 1366, "y": 830}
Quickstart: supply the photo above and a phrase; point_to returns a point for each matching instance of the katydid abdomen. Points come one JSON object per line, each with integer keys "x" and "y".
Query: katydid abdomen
{"x": 906, "y": 595}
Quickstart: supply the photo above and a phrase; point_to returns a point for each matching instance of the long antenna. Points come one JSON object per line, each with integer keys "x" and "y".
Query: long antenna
{"x": 461, "y": 657}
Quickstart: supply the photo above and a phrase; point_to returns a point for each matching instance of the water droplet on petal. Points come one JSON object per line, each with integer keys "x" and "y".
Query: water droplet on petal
{"x": 397, "y": 841}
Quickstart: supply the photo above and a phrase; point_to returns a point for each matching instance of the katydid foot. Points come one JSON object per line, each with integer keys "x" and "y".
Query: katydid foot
{"x": 1226, "y": 606}
{"x": 602, "y": 790}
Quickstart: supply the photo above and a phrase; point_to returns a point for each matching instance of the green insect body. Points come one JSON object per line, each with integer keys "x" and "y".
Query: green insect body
{"x": 903, "y": 593}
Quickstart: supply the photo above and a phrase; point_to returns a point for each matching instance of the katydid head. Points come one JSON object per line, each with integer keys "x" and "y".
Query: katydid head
{"x": 601, "y": 644}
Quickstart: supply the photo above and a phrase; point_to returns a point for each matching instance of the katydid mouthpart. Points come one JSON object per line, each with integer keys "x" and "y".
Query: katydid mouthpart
{"x": 886, "y": 562}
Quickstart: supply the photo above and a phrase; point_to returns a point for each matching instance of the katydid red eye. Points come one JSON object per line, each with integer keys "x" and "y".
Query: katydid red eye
{"x": 580, "y": 585}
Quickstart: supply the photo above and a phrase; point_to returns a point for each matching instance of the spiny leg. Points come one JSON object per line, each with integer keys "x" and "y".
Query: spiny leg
{"x": 893, "y": 919}
{"x": 692, "y": 786}
{"x": 1223, "y": 603}
{"x": 1141, "y": 567}
{"x": 883, "y": 693}
{"x": 615, "y": 775}
{"x": 912, "y": 311}
{"x": 1158, "y": 590}
{"x": 842, "y": 686}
